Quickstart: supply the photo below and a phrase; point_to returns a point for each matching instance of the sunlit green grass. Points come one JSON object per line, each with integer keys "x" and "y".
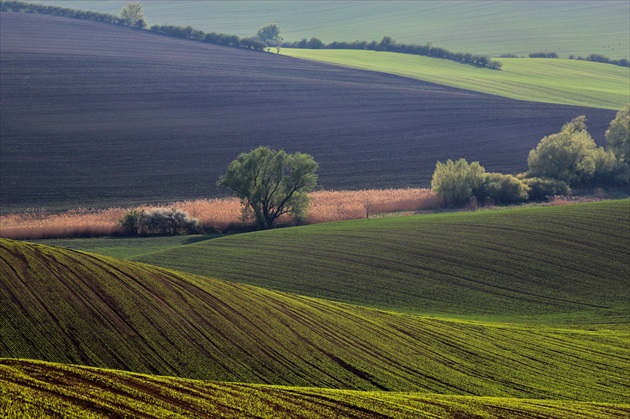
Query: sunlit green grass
{"x": 561, "y": 81}
{"x": 551, "y": 262}
{"x": 40, "y": 389}
{"x": 65, "y": 306}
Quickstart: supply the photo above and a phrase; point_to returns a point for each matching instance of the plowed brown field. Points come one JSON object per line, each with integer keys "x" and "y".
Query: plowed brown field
{"x": 94, "y": 114}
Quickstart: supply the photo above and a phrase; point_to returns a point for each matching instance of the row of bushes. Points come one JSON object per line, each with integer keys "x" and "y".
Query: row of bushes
{"x": 598, "y": 58}
{"x": 569, "y": 158}
{"x": 388, "y": 44}
{"x": 21, "y": 7}
{"x": 168, "y": 30}
{"x": 189, "y": 32}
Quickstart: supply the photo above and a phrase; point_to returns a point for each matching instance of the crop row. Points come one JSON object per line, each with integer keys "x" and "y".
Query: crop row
{"x": 41, "y": 389}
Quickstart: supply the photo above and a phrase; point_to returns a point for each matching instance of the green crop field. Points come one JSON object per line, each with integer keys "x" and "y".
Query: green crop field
{"x": 524, "y": 261}
{"x": 491, "y": 27}
{"x": 42, "y": 389}
{"x": 65, "y": 306}
{"x": 561, "y": 81}
{"x": 127, "y": 247}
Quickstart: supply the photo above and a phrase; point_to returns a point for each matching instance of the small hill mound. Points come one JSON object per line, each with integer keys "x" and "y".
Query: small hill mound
{"x": 529, "y": 261}
{"x": 41, "y": 389}
{"x": 65, "y": 306}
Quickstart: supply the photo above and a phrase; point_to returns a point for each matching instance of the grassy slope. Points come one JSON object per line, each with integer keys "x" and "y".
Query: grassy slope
{"x": 63, "y": 306}
{"x": 527, "y": 261}
{"x": 561, "y": 81}
{"x": 496, "y": 27}
{"x": 40, "y": 389}
{"x": 126, "y": 247}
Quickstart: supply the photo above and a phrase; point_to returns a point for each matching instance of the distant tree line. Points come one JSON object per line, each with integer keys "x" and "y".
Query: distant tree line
{"x": 598, "y": 58}
{"x": 189, "y": 32}
{"x": 21, "y": 7}
{"x": 543, "y": 55}
{"x": 129, "y": 18}
{"x": 390, "y": 45}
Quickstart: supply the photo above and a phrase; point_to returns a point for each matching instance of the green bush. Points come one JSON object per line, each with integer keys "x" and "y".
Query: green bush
{"x": 542, "y": 189}
{"x": 502, "y": 189}
{"x": 455, "y": 182}
{"x": 609, "y": 171}
{"x": 566, "y": 156}
{"x": 158, "y": 222}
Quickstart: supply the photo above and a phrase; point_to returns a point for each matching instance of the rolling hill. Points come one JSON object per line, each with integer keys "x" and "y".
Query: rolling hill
{"x": 70, "y": 307}
{"x": 483, "y": 27}
{"x": 99, "y": 115}
{"x": 520, "y": 262}
{"x": 568, "y": 82}
{"x": 41, "y": 389}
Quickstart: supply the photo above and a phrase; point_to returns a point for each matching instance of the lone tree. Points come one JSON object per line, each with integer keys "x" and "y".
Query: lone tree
{"x": 133, "y": 14}
{"x": 270, "y": 35}
{"x": 271, "y": 183}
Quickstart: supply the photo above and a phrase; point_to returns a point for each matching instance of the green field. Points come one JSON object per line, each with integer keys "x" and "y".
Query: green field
{"x": 489, "y": 27}
{"x": 127, "y": 247}
{"x": 561, "y": 81}
{"x": 525, "y": 313}
{"x": 110, "y": 313}
{"x": 525, "y": 261}
{"x": 41, "y": 389}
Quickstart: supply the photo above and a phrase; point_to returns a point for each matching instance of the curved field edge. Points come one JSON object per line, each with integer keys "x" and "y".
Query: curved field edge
{"x": 34, "y": 388}
{"x": 524, "y": 262}
{"x": 559, "y": 81}
{"x": 65, "y": 306}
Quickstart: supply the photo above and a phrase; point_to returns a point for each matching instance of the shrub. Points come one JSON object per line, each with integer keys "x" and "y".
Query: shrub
{"x": 502, "y": 189}
{"x": 543, "y": 189}
{"x": 159, "y": 221}
{"x": 566, "y": 156}
{"x": 131, "y": 222}
{"x": 455, "y": 182}
{"x": 609, "y": 170}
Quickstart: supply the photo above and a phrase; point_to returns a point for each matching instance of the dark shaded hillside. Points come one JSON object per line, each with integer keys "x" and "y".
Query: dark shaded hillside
{"x": 94, "y": 114}
{"x": 64, "y": 306}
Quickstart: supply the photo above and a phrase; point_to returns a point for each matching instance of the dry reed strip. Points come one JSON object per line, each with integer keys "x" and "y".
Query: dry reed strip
{"x": 219, "y": 214}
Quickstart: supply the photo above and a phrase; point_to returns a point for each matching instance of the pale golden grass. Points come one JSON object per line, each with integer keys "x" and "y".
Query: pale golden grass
{"x": 219, "y": 214}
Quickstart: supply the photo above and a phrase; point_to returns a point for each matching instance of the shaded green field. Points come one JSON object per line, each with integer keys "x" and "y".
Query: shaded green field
{"x": 522, "y": 262}
{"x": 39, "y": 389}
{"x": 489, "y": 27}
{"x": 126, "y": 247}
{"x": 65, "y": 306}
{"x": 561, "y": 81}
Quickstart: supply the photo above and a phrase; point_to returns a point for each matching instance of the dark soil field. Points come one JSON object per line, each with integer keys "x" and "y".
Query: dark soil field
{"x": 98, "y": 115}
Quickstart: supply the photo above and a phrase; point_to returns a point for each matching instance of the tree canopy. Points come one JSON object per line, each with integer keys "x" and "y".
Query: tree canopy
{"x": 566, "y": 155}
{"x": 270, "y": 35}
{"x": 271, "y": 183}
{"x": 133, "y": 14}
{"x": 618, "y": 135}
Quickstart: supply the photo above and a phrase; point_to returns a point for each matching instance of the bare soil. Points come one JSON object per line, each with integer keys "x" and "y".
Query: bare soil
{"x": 96, "y": 115}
